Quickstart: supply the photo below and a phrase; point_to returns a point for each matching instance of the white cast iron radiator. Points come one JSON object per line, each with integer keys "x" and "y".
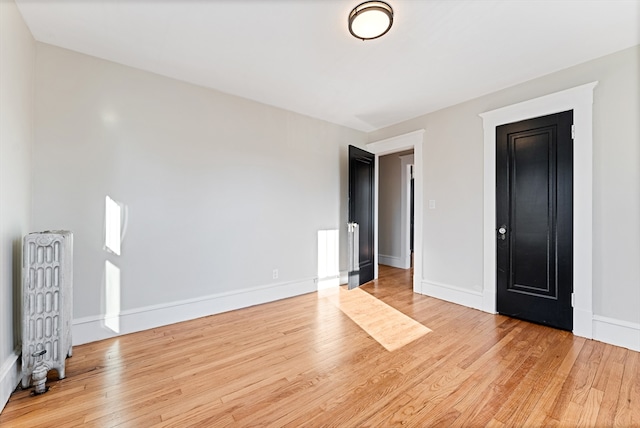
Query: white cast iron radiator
{"x": 47, "y": 278}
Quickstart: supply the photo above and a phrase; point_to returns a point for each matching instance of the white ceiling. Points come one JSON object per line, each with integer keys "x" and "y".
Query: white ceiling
{"x": 299, "y": 55}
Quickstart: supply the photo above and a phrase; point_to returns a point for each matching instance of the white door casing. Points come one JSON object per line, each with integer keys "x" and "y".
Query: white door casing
{"x": 412, "y": 140}
{"x": 580, "y": 100}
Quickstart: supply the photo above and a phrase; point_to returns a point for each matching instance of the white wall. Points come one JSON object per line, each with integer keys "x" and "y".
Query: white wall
{"x": 453, "y": 241}
{"x": 219, "y": 190}
{"x": 17, "y": 57}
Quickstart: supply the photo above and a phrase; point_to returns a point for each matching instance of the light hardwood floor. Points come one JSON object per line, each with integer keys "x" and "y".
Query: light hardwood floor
{"x": 303, "y": 362}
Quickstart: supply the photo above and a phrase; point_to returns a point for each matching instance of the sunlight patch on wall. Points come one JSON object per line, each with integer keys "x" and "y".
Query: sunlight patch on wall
{"x": 112, "y": 294}
{"x": 112, "y": 225}
{"x": 328, "y": 258}
{"x": 115, "y": 215}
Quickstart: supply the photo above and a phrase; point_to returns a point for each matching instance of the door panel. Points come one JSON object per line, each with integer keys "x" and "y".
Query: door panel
{"x": 532, "y": 211}
{"x": 361, "y": 188}
{"x": 534, "y": 170}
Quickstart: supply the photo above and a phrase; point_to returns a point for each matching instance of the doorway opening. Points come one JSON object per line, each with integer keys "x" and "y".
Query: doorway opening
{"x": 402, "y": 143}
{"x": 395, "y": 209}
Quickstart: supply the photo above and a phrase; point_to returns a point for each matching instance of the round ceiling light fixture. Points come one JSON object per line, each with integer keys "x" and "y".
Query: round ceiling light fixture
{"x": 370, "y": 20}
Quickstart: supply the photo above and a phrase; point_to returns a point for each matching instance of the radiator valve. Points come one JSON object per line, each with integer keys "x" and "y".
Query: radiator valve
{"x": 39, "y": 374}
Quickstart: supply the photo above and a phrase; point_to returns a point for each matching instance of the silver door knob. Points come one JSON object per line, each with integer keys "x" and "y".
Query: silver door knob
{"x": 502, "y": 231}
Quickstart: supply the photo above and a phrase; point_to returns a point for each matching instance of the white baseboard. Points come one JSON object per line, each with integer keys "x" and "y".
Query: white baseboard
{"x": 393, "y": 261}
{"x": 9, "y": 377}
{"x": 617, "y": 332}
{"x": 451, "y": 293}
{"x": 91, "y": 329}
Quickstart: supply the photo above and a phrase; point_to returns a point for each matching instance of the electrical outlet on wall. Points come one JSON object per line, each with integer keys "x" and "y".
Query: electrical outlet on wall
{"x": 275, "y": 274}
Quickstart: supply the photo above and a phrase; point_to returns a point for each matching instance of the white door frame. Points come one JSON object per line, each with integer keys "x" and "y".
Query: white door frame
{"x": 412, "y": 140}
{"x": 580, "y": 100}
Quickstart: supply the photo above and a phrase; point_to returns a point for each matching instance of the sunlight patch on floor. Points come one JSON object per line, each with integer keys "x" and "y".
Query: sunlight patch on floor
{"x": 387, "y": 325}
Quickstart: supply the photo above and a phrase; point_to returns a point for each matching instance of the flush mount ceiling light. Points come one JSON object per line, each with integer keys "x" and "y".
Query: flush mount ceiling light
{"x": 370, "y": 20}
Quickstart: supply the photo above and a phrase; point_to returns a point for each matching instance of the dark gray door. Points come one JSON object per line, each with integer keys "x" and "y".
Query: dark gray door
{"x": 534, "y": 214}
{"x": 361, "y": 192}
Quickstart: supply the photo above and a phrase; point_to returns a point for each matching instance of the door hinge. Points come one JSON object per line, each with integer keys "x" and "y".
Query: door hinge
{"x": 573, "y": 132}
{"x": 573, "y": 300}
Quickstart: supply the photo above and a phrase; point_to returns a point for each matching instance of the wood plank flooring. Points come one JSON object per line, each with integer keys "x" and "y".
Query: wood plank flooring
{"x": 303, "y": 362}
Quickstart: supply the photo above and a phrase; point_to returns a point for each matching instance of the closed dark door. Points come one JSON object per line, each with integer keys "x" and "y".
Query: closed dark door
{"x": 361, "y": 181}
{"x": 534, "y": 214}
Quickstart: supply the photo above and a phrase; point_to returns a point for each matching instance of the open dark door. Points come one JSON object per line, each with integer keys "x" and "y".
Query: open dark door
{"x": 361, "y": 183}
{"x": 534, "y": 214}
